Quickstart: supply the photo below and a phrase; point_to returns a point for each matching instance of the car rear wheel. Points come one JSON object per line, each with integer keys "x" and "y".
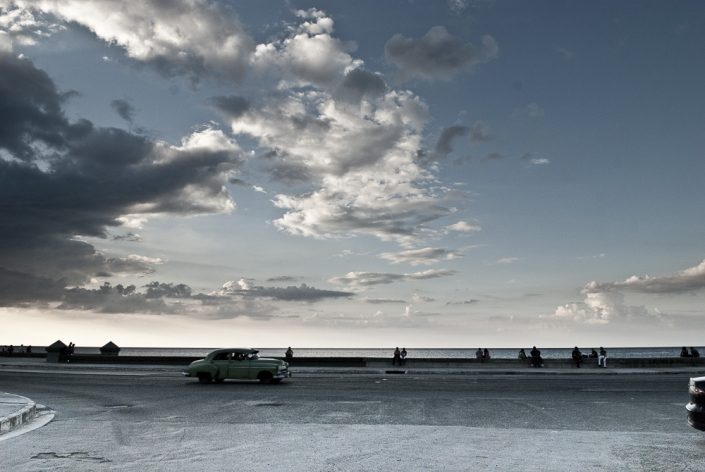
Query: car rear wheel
{"x": 204, "y": 377}
{"x": 265, "y": 377}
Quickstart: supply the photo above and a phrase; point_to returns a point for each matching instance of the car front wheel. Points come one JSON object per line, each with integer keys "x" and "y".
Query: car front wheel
{"x": 265, "y": 376}
{"x": 204, "y": 377}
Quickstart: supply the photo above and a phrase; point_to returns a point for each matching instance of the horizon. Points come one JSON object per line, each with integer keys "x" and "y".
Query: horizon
{"x": 335, "y": 173}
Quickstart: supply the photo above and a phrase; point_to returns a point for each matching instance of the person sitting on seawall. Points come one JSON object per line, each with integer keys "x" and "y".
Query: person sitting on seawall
{"x": 577, "y": 356}
{"x": 396, "y": 360}
{"x": 684, "y": 352}
{"x": 694, "y": 352}
{"x": 478, "y": 353}
{"x": 289, "y": 354}
{"x": 602, "y": 358}
{"x": 486, "y": 354}
{"x": 522, "y": 355}
{"x": 536, "y": 360}
{"x": 403, "y": 355}
{"x": 593, "y": 354}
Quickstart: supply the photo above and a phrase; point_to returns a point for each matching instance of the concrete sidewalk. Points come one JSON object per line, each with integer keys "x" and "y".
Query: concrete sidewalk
{"x": 41, "y": 366}
{"x": 15, "y": 411}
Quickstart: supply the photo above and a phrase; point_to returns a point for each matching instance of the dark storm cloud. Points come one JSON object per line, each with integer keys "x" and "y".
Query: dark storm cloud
{"x": 444, "y": 145}
{"x": 109, "y": 299}
{"x": 302, "y": 293}
{"x": 168, "y": 290}
{"x": 437, "y": 55}
{"x": 60, "y": 179}
{"x": 283, "y": 278}
{"x": 359, "y": 84}
{"x": 17, "y": 288}
{"x": 232, "y": 106}
{"x": 124, "y": 109}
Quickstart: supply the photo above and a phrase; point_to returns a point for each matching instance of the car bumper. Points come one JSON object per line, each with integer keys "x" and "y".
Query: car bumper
{"x": 283, "y": 374}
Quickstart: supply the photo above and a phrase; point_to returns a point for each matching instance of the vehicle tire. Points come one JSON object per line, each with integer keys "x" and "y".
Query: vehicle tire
{"x": 204, "y": 377}
{"x": 276, "y": 381}
{"x": 265, "y": 377}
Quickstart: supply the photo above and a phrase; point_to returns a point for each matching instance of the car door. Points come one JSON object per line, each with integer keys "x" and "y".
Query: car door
{"x": 221, "y": 363}
{"x": 239, "y": 366}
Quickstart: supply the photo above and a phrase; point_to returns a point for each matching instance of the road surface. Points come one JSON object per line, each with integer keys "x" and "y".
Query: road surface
{"x": 137, "y": 421}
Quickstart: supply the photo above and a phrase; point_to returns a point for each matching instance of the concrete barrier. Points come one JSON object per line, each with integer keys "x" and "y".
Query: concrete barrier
{"x": 411, "y": 363}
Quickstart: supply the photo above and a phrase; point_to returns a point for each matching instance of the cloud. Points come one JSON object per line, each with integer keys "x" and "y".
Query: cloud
{"x": 283, "y": 278}
{"x": 61, "y": 179}
{"x": 167, "y": 290}
{"x": 472, "y": 301}
{"x": 309, "y": 56}
{"x": 366, "y": 179}
{"x": 424, "y": 256}
{"x": 233, "y": 106}
{"x": 124, "y": 109}
{"x": 22, "y": 26}
{"x": 599, "y": 308}
{"x": 506, "y": 261}
{"x": 437, "y": 55}
{"x": 195, "y": 38}
{"x": 366, "y": 279}
{"x": 444, "y": 145}
{"x": 383, "y": 301}
{"x": 302, "y": 293}
{"x": 604, "y": 302}
{"x": 360, "y": 84}
{"x": 689, "y": 280}
{"x": 463, "y": 227}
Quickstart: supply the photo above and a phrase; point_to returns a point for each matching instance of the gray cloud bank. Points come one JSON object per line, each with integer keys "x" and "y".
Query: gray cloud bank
{"x": 61, "y": 179}
{"x": 437, "y": 54}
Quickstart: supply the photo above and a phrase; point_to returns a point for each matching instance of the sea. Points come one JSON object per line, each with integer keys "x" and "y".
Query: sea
{"x": 425, "y": 353}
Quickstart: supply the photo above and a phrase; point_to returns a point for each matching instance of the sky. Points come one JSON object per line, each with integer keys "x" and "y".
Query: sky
{"x": 457, "y": 173}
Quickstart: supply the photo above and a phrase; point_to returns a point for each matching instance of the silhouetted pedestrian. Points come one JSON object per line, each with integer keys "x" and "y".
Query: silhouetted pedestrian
{"x": 522, "y": 355}
{"x": 536, "y": 360}
{"x": 403, "y": 355}
{"x": 694, "y": 352}
{"x": 602, "y": 358}
{"x": 396, "y": 360}
{"x": 486, "y": 354}
{"x": 478, "y": 353}
{"x": 289, "y": 354}
{"x": 577, "y": 356}
{"x": 684, "y": 352}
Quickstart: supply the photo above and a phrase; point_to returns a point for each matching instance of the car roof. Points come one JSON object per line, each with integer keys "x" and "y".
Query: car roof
{"x": 242, "y": 350}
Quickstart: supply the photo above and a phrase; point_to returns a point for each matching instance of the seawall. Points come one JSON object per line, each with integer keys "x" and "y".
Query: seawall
{"x": 410, "y": 363}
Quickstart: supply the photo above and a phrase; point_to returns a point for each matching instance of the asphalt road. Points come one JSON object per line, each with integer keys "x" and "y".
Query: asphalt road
{"x": 393, "y": 422}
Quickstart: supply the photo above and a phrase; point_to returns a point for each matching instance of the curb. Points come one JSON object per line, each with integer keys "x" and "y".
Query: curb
{"x": 19, "y": 417}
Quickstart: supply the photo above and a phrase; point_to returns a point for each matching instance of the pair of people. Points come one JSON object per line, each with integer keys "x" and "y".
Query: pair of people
{"x": 399, "y": 356}
{"x": 482, "y": 354}
{"x": 693, "y": 352}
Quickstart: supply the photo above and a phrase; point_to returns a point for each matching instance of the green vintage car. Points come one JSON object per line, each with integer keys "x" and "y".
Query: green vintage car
{"x": 237, "y": 363}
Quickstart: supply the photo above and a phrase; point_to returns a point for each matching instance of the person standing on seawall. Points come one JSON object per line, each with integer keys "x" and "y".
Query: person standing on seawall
{"x": 602, "y": 358}
{"x": 403, "y": 355}
{"x": 577, "y": 356}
